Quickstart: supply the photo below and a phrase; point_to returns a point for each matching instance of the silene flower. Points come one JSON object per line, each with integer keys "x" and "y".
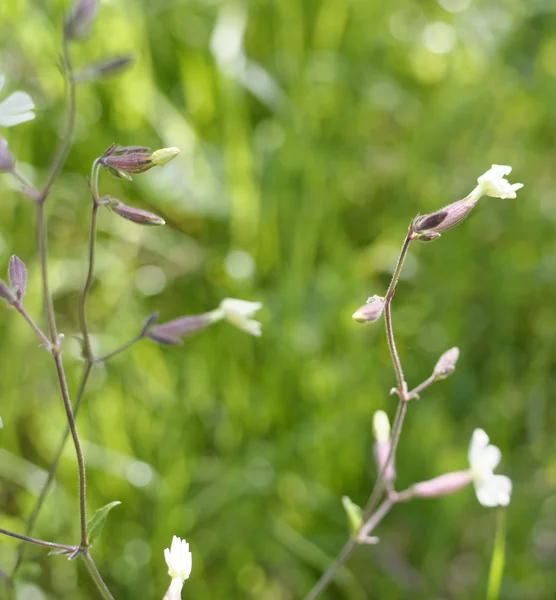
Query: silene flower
{"x": 239, "y": 313}
{"x": 16, "y": 108}
{"x": 493, "y": 183}
{"x": 491, "y": 489}
{"x": 179, "y": 561}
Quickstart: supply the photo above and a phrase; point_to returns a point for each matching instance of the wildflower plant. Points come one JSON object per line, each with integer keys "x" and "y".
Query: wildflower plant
{"x": 122, "y": 162}
{"x": 491, "y": 490}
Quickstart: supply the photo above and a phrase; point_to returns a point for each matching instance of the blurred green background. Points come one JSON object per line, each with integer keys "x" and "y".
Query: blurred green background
{"x": 310, "y": 134}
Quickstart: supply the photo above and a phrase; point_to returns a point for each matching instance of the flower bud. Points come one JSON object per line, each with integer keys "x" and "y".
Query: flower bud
{"x": 169, "y": 333}
{"x": 442, "y": 485}
{"x": 6, "y": 158}
{"x": 446, "y": 363}
{"x": 79, "y": 19}
{"x": 17, "y": 273}
{"x": 141, "y": 217}
{"x": 103, "y": 68}
{"x": 132, "y": 160}
{"x": 382, "y": 446}
{"x": 354, "y": 514}
{"x": 370, "y": 311}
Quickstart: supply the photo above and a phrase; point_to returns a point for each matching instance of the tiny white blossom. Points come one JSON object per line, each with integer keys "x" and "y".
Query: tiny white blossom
{"x": 178, "y": 559}
{"x": 239, "y": 313}
{"x": 16, "y": 108}
{"x": 493, "y": 183}
{"x": 491, "y": 489}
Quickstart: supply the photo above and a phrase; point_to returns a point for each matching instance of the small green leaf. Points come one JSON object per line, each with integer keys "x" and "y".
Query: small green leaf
{"x": 96, "y": 523}
{"x": 354, "y": 514}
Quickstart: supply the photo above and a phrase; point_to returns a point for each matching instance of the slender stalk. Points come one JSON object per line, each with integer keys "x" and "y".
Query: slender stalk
{"x": 25, "y": 538}
{"x": 329, "y": 574}
{"x": 414, "y": 393}
{"x": 121, "y": 348}
{"x": 379, "y": 486}
{"x": 53, "y": 467}
{"x": 88, "y": 351}
{"x": 78, "y": 449}
{"x": 43, "y": 257}
{"x": 97, "y": 578}
{"x": 376, "y": 518}
{"x": 19, "y": 307}
{"x": 67, "y": 137}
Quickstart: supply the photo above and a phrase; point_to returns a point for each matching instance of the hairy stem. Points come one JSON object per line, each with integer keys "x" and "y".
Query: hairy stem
{"x": 375, "y": 519}
{"x": 25, "y": 538}
{"x": 97, "y": 578}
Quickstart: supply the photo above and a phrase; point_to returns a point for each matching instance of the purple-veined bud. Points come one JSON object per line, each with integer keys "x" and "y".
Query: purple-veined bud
{"x": 136, "y": 215}
{"x": 17, "y": 273}
{"x": 170, "y": 333}
{"x": 371, "y": 311}
{"x": 6, "y": 293}
{"x": 79, "y": 19}
{"x": 426, "y": 222}
{"x": 381, "y": 449}
{"x": 126, "y": 161}
{"x": 446, "y": 363}
{"x": 103, "y": 68}
{"x": 427, "y": 228}
{"x": 442, "y": 485}
{"x": 7, "y": 161}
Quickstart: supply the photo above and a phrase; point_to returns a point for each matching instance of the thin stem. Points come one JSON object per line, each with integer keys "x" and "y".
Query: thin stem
{"x": 379, "y": 486}
{"x": 25, "y": 538}
{"x": 19, "y": 307}
{"x": 87, "y": 287}
{"x": 52, "y": 469}
{"x": 121, "y": 348}
{"x": 329, "y": 574}
{"x": 64, "y": 146}
{"x": 78, "y": 450}
{"x": 97, "y": 578}
{"x": 375, "y": 519}
{"x": 414, "y": 393}
{"x": 43, "y": 256}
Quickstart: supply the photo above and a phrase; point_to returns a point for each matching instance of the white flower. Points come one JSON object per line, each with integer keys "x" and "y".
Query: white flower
{"x": 239, "y": 313}
{"x": 16, "y": 108}
{"x": 178, "y": 559}
{"x": 492, "y": 183}
{"x": 491, "y": 489}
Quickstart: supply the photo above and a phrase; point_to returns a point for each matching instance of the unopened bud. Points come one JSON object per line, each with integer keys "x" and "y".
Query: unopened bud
{"x": 103, "y": 68}
{"x": 6, "y": 293}
{"x": 446, "y": 363}
{"x": 80, "y": 18}
{"x": 6, "y": 159}
{"x": 442, "y": 485}
{"x": 370, "y": 311}
{"x": 17, "y": 273}
{"x": 136, "y": 215}
{"x": 132, "y": 160}
{"x": 426, "y": 222}
{"x": 169, "y": 334}
{"x": 381, "y": 426}
{"x": 427, "y": 228}
{"x": 354, "y": 514}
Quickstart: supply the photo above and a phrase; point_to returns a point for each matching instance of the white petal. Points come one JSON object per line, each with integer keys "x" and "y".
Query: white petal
{"x": 490, "y": 458}
{"x": 11, "y": 120}
{"x": 494, "y": 491}
{"x": 240, "y": 307}
{"x": 17, "y": 103}
{"x": 252, "y": 327}
{"x": 479, "y": 441}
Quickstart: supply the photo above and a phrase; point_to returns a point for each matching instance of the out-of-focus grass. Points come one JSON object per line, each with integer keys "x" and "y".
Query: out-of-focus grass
{"x": 311, "y": 133}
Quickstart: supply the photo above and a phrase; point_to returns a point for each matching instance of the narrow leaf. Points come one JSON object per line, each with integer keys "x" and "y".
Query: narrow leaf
{"x": 96, "y": 523}
{"x": 354, "y": 514}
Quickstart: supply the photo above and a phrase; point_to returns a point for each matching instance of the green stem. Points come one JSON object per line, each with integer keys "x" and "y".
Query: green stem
{"x": 97, "y": 578}
{"x": 379, "y": 486}
{"x": 120, "y": 349}
{"x": 498, "y": 557}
